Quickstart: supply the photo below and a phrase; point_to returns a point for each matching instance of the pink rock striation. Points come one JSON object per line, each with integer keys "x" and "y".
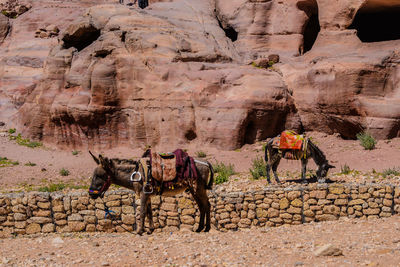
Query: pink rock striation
{"x": 186, "y": 72}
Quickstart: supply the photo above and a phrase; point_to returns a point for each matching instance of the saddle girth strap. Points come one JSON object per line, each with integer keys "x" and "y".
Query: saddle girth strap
{"x": 143, "y": 162}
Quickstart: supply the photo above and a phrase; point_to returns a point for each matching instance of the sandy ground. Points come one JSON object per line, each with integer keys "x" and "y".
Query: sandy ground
{"x": 363, "y": 243}
{"x": 49, "y": 161}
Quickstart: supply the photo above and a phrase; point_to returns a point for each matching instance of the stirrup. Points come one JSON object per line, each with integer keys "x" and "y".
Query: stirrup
{"x": 148, "y": 189}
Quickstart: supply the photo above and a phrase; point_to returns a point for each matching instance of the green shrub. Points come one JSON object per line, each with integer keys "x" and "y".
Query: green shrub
{"x": 201, "y": 154}
{"x": 52, "y": 187}
{"x": 11, "y": 131}
{"x": 75, "y": 152}
{"x": 345, "y": 169}
{"x": 25, "y": 141}
{"x": 264, "y": 146}
{"x": 366, "y": 140}
{"x": 258, "y": 169}
{"x": 64, "y": 172}
{"x": 30, "y": 164}
{"x": 223, "y": 172}
{"x": 390, "y": 171}
{"x": 5, "y": 162}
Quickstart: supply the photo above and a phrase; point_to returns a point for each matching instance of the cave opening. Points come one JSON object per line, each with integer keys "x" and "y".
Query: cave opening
{"x": 311, "y": 32}
{"x": 230, "y": 32}
{"x": 377, "y": 24}
{"x": 82, "y": 38}
{"x": 190, "y": 135}
{"x": 311, "y": 27}
{"x": 250, "y": 136}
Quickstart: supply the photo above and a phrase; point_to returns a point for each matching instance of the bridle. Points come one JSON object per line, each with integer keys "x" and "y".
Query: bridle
{"x": 104, "y": 188}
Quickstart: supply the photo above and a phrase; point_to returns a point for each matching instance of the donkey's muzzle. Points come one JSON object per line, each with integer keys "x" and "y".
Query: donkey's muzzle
{"x": 93, "y": 194}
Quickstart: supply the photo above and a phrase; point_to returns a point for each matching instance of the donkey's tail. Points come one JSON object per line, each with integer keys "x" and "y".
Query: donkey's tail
{"x": 211, "y": 181}
{"x": 267, "y": 150}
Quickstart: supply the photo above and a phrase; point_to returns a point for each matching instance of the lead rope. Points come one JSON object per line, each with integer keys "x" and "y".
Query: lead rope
{"x": 109, "y": 213}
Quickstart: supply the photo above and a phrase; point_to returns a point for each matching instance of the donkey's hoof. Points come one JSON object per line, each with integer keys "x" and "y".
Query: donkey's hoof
{"x": 321, "y": 181}
{"x": 140, "y": 232}
{"x": 150, "y": 231}
{"x": 207, "y": 229}
{"x": 199, "y": 229}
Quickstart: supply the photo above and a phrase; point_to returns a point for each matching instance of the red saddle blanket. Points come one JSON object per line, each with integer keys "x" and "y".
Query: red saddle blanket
{"x": 291, "y": 140}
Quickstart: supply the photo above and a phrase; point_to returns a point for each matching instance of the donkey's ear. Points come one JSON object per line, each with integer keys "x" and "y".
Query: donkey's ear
{"x": 103, "y": 161}
{"x": 110, "y": 163}
{"x": 94, "y": 157}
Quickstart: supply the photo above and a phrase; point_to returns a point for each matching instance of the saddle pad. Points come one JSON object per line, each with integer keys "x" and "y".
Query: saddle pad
{"x": 163, "y": 169}
{"x": 291, "y": 140}
{"x": 292, "y": 154}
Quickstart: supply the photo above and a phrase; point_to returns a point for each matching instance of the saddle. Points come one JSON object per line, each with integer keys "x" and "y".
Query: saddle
{"x": 163, "y": 166}
{"x": 291, "y": 140}
{"x": 291, "y": 145}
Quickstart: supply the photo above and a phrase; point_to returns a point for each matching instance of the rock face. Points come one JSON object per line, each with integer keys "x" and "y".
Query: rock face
{"x": 4, "y": 26}
{"x": 189, "y": 71}
{"x": 23, "y": 55}
{"x": 12, "y": 8}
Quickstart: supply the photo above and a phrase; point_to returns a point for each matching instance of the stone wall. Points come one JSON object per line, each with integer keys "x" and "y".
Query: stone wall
{"x": 35, "y": 212}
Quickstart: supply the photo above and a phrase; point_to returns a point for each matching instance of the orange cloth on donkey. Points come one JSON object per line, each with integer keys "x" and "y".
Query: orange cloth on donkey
{"x": 291, "y": 140}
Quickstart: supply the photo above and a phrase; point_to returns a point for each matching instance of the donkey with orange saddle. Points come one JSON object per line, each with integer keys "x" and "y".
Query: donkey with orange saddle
{"x": 290, "y": 145}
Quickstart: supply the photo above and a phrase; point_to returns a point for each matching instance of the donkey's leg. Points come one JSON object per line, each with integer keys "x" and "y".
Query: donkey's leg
{"x": 275, "y": 167}
{"x": 143, "y": 211}
{"x": 203, "y": 198}
{"x": 201, "y": 208}
{"x": 303, "y": 170}
{"x": 268, "y": 160}
{"x": 150, "y": 216}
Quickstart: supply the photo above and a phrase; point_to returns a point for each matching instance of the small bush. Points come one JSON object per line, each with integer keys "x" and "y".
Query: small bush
{"x": 264, "y": 146}
{"x": 390, "y": 171}
{"x": 25, "y": 141}
{"x": 64, "y": 172}
{"x": 366, "y": 140}
{"x": 5, "y": 162}
{"x": 345, "y": 169}
{"x": 258, "y": 169}
{"x": 201, "y": 154}
{"x": 75, "y": 152}
{"x": 52, "y": 187}
{"x": 30, "y": 164}
{"x": 11, "y": 131}
{"x": 223, "y": 172}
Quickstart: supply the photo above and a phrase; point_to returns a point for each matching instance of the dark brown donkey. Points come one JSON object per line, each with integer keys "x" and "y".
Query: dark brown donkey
{"x": 130, "y": 173}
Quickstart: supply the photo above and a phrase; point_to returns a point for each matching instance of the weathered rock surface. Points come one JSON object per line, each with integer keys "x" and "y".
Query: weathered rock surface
{"x": 181, "y": 72}
{"x": 4, "y": 26}
{"x": 13, "y": 8}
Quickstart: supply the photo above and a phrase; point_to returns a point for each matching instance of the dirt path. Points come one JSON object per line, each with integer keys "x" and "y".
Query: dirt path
{"x": 363, "y": 243}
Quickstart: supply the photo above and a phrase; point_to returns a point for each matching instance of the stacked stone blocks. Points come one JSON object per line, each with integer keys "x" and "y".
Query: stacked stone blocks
{"x": 39, "y": 212}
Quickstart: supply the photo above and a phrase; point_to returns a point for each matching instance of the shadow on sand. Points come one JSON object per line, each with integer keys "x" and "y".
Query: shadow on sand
{"x": 312, "y": 179}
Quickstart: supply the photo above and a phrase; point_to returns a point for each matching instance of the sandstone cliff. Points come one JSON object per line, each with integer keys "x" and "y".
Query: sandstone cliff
{"x": 186, "y": 71}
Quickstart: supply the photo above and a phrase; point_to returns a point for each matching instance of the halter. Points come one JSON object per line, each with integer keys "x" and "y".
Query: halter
{"x": 104, "y": 188}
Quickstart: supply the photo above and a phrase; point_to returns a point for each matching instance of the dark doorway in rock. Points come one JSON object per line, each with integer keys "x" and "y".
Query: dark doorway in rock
{"x": 377, "y": 24}
{"x": 81, "y": 38}
{"x": 311, "y": 27}
{"x": 230, "y": 32}
{"x": 190, "y": 135}
{"x": 250, "y": 136}
{"x": 311, "y": 32}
